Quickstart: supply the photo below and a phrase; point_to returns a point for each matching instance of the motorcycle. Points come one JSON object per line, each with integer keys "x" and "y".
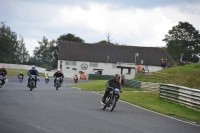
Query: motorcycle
{"x": 111, "y": 100}
{"x": 32, "y": 82}
{"x": 20, "y": 78}
{"x": 75, "y": 80}
{"x": 58, "y": 82}
{"x": 47, "y": 80}
{"x": 1, "y": 80}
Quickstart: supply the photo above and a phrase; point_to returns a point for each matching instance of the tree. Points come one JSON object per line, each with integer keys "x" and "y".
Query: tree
{"x": 21, "y": 52}
{"x": 105, "y": 42}
{"x": 70, "y": 38}
{"x": 44, "y": 55}
{"x": 182, "y": 38}
{"x": 10, "y": 47}
{"x": 65, "y": 37}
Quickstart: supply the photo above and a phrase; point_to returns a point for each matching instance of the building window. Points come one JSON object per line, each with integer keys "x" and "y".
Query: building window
{"x": 67, "y": 62}
{"x": 73, "y": 63}
{"x": 93, "y": 64}
{"x": 70, "y": 63}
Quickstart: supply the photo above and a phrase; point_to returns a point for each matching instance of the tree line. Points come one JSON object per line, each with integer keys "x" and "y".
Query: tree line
{"x": 12, "y": 47}
{"x": 182, "y": 38}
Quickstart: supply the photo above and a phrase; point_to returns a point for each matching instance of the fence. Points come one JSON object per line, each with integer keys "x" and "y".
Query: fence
{"x": 142, "y": 85}
{"x": 133, "y": 83}
{"x": 184, "y": 95}
{"x": 150, "y": 86}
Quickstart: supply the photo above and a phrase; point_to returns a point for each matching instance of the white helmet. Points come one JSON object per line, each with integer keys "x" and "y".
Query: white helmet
{"x": 33, "y": 67}
{"x": 59, "y": 70}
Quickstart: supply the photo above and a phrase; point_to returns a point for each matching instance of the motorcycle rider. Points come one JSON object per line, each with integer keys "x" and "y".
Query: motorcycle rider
{"x": 21, "y": 74}
{"x": 75, "y": 76}
{"x": 3, "y": 72}
{"x": 33, "y": 71}
{"x": 47, "y": 77}
{"x": 58, "y": 74}
{"x": 111, "y": 83}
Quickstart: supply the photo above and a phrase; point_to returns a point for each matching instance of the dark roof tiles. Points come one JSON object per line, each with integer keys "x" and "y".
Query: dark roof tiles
{"x": 117, "y": 53}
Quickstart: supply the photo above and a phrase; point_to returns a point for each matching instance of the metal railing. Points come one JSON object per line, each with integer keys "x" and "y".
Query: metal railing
{"x": 183, "y": 95}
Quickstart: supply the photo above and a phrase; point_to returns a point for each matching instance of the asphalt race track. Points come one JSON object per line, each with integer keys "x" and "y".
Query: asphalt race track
{"x": 45, "y": 110}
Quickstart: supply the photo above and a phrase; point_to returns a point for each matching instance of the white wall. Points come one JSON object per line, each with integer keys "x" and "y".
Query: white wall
{"x": 108, "y": 69}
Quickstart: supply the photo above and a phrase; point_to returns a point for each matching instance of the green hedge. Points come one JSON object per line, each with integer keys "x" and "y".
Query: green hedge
{"x": 99, "y": 77}
{"x": 133, "y": 83}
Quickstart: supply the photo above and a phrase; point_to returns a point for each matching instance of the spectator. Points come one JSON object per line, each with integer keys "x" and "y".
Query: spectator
{"x": 165, "y": 63}
{"x": 162, "y": 62}
{"x": 139, "y": 68}
{"x": 182, "y": 60}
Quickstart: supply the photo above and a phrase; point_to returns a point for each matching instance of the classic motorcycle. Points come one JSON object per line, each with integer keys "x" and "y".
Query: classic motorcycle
{"x": 1, "y": 80}
{"x": 32, "y": 82}
{"x": 58, "y": 82}
{"x": 47, "y": 80}
{"x": 20, "y": 78}
{"x": 111, "y": 100}
{"x": 75, "y": 80}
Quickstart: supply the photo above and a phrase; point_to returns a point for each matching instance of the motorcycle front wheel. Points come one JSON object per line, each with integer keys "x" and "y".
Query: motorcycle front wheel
{"x": 113, "y": 103}
{"x": 57, "y": 85}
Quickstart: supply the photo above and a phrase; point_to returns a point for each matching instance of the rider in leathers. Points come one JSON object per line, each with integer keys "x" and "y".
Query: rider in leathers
{"x": 33, "y": 71}
{"x": 58, "y": 74}
{"x": 21, "y": 74}
{"x": 3, "y": 72}
{"x": 111, "y": 83}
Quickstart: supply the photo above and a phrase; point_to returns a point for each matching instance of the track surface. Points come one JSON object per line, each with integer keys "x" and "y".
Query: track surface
{"x": 45, "y": 110}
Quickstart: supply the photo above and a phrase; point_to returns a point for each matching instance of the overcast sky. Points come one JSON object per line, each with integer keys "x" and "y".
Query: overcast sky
{"x": 130, "y": 22}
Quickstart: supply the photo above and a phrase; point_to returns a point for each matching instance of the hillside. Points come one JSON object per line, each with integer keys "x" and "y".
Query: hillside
{"x": 188, "y": 75}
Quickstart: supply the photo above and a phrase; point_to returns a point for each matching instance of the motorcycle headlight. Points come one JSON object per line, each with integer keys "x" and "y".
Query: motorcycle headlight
{"x": 116, "y": 91}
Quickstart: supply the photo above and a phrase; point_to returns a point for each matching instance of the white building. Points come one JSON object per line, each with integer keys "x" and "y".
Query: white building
{"x": 108, "y": 59}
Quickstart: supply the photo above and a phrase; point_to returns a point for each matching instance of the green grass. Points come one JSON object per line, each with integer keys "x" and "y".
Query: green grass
{"x": 146, "y": 79}
{"x": 15, "y": 72}
{"x": 188, "y": 75}
{"x": 148, "y": 100}
{"x": 151, "y": 101}
{"x": 98, "y": 85}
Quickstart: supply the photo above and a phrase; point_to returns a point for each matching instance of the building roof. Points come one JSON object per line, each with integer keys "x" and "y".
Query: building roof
{"x": 72, "y": 51}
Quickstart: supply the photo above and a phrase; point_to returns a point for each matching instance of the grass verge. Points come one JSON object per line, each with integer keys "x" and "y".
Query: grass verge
{"x": 15, "y": 72}
{"x": 148, "y": 100}
{"x": 99, "y": 85}
{"x": 188, "y": 75}
{"x": 151, "y": 101}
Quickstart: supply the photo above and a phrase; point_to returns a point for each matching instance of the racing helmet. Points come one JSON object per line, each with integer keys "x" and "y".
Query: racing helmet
{"x": 4, "y": 67}
{"x": 33, "y": 67}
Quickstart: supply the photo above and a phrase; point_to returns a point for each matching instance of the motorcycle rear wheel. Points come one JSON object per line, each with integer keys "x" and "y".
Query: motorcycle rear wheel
{"x": 107, "y": 102}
